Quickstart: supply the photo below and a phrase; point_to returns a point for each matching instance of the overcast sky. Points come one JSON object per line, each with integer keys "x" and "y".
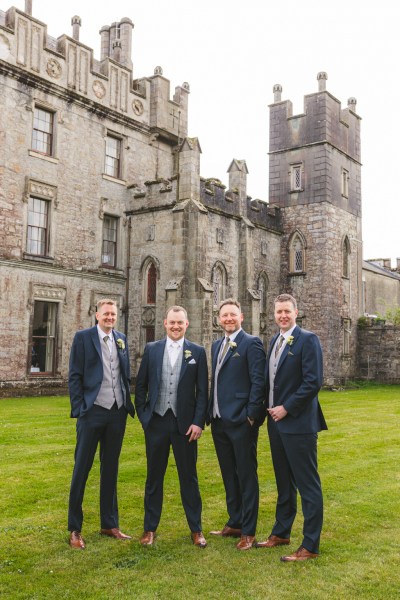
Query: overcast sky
{"x": 233, "y": 52}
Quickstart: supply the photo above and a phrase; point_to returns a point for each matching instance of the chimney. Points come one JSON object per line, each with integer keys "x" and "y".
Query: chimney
{"x": 352, "y": 104}
{"x": 322, "y": 77}
{"x": 277, "y": 89}
{"x": 105, "y": 42}
{"x": 116, "y": 50}
{"x": 76, "y": 23}
{"x": 28, "y": 7}
{"x": 125, "y": 33}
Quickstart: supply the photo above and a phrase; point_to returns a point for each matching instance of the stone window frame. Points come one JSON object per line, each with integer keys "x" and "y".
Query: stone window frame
{"x": 297, "y": 252}
{"x": 39, "y": 106}
{"x": 114, "y": 243}
{"x": 149, "y": 309}
{"x": 219, "y": 281}
{"x": 346, "y": 324}
{"x": 35, "y": 189}
{"x": 263, "y": 292}
{"x": 115, "y": 171}
{"x": 346, "y": 251}
{"x": 296, "y": 177}
{"x": 54, "y": 296}
{"x": 345, "y": 177}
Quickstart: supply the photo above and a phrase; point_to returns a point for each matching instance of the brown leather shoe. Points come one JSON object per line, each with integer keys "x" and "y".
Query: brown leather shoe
{"x": 76, "y": 540}
{"x": 198, "y": 539}
{"x": 300, "y": 554}
{"x": 228, "y": 532}
{"x": 246, "y": 542}
{"x": 115, "y": 533}
{"x": 273, "y": 541}
{"x": 148, "y": 538}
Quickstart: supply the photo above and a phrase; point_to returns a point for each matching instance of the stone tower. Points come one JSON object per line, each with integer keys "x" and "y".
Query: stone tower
{"x": 315, "y": 179}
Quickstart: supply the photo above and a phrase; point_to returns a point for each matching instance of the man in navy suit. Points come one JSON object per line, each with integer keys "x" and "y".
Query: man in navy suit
{"x": 294, "y": 378}
{"x": 236, "y": 410}
{"x": 171, "y": 401}
{"x": 99, "y": 391}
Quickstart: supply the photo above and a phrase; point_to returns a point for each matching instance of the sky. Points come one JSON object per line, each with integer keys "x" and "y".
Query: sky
{"x": 232, "y": 53}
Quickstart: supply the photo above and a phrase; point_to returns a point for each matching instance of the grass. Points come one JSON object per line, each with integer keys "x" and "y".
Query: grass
{"x": 359, "y": 464}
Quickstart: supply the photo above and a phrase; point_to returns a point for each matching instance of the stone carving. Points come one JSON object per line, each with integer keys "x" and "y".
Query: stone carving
{"x": 54, "y": 68}
{"x": 99, "y": 89}
{"x": 137, "y": 107}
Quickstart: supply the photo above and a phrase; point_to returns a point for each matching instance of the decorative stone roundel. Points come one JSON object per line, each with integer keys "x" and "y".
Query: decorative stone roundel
{"x": 137, "y": 107}
{"x": 54, "y": 68}
{"x": 99, "y": 89}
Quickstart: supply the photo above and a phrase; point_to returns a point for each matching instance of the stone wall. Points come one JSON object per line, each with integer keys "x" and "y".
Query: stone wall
{"x": 378, "y": 353}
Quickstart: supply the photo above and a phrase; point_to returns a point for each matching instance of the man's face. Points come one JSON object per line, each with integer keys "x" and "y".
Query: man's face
{"x": 285, "y": 315}
{"x": 176, "y": 324}
{"x": 230, "y": 318}
{"x": 107, "y": 317}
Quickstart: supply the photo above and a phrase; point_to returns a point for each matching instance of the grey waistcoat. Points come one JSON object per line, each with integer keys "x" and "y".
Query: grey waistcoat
{"x": 167, "y": 395}
{"x": 110, "y": 390}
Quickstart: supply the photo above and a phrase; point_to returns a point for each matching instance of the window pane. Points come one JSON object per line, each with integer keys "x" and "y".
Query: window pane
{"x": 112, "y": 158}
{"x": 37, "y": 238}
{"x": 151, "y": 284}
{"x": 43, "y": 341}
{"x": 109, "y": 251}
{"x": 150, "y": 334}
{"x": 42, "y": 131}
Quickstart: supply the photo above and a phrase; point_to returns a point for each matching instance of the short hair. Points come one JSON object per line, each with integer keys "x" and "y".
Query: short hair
{"x": 286, "y": 298}
{"x": 229, "y": 301}
{"x": 176, "y": 308}
{"x": 103, "y": 301}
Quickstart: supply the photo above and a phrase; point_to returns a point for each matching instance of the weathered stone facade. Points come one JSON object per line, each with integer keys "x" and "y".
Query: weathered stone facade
{"x": 101, "y": 195}
{"x": 378, "y": 353}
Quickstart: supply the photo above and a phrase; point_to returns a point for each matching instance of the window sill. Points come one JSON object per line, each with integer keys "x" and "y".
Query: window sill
{"x": 43, "y": 156}
{"x": 48, "y": 260}
{"x": 297, "y": 273}
{"x": 114, "y": 179}
{"x": 296, "y": 191}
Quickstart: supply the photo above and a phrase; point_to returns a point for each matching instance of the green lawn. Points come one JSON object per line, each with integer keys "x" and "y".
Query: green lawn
{"x": 359, "y": 464}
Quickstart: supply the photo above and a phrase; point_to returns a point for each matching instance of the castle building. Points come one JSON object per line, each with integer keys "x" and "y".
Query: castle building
{"x": 102, "y": 196}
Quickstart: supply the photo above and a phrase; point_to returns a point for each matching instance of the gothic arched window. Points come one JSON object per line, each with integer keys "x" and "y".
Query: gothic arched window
{"x": 263, "y": 290}
{"x": 151, "y": 281}
{"x": 219, "y": 284}
{"x": 297, "y": 253}
{"x": 346, "y": 257}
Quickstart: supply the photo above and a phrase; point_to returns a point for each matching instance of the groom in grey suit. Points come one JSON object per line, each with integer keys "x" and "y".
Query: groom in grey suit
{"x": 171, "y": 401}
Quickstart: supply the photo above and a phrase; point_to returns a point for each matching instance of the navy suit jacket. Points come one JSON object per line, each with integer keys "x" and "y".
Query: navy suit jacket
{"x": 192, "y": 395}
{"x": 241, "y": 380}
{"x": 298, "y": 379}
{"x": 86, "y": 371}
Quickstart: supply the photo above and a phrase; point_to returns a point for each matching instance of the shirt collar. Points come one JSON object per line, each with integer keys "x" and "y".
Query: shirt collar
{"x": 233, "y": 335}
{"x": 179, "y": 342}
{"x": 102, "y": 335}
{"x": 288, "y": 333}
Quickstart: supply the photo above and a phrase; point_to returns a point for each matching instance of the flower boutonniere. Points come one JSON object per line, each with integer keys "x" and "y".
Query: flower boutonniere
{"x": 290, "y": 340}
{"x": 188, "y": 355}
{"x": 121, "y": 344}
{"x": 232, "y": 345}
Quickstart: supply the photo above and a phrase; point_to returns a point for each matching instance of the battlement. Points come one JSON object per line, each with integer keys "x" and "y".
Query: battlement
{"x": 69, "y": 68}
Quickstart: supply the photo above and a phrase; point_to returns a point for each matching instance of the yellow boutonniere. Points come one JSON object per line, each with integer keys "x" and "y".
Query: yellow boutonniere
{"x": 290, "y": 340}
{"x": 188, "y": 354}
{"x": 121, "y": 344}
{"x": 232, "y": 345}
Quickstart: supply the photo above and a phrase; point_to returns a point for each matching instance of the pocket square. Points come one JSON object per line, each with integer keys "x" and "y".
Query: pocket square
{"x": 236, "y": 354}
{"x": 290, "y": 354}
{"x": 192, "y": 362}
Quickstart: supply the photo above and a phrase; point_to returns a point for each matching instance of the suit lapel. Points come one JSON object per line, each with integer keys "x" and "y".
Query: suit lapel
{"x": 96, "y": 341}
{"x": 286, "y": 350}
{"x": 159, "y": 350}
{"x": 186, "y": 346}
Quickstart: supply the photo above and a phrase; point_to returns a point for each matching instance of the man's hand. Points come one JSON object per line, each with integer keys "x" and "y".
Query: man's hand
{"x": 277, "y": 413}
{"x": 195, "y": 432}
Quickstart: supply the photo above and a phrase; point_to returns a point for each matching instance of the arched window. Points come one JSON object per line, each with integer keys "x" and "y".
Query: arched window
{"x": 219, "y": 283}
{"x": 297, "y": 253}
{"x": 346, "y": 257}
{"x": 149, "y": 276}
{"x": 151, "y": 280}
{"x": 263, "y": 290}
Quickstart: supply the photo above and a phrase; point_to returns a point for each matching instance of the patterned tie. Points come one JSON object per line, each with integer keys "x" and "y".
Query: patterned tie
{"x": 279, "y": 345}
{"x": 224, "y": 351}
